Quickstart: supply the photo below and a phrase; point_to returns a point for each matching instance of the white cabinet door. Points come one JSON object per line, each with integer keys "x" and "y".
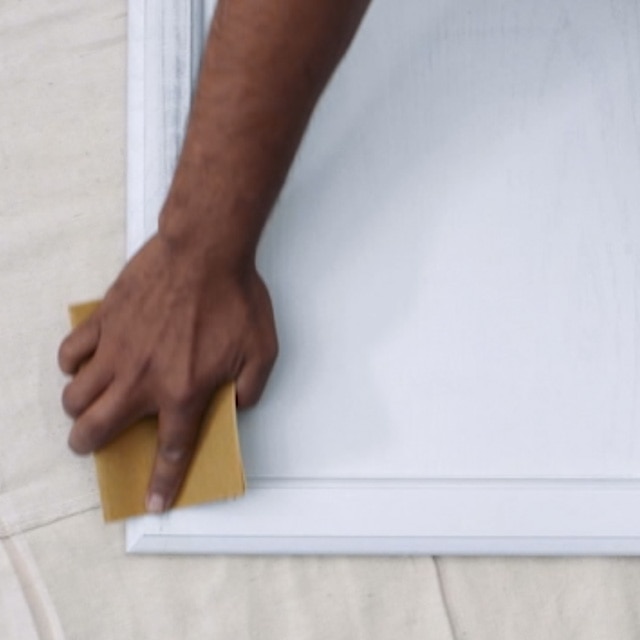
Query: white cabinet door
{"x": 455, "y": 268}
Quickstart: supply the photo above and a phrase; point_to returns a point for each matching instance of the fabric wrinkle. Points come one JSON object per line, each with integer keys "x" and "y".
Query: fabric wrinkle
{"x": 34, "y": 589}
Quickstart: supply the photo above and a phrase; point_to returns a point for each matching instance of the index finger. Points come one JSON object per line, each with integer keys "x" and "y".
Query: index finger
{"x": 178, "y": 431}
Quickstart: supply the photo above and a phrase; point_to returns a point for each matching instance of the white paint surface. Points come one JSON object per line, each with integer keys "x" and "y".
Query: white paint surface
{"x": 455, "y": 267}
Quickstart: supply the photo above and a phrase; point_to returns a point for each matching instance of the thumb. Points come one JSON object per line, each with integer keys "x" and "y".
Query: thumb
{"x": 251, "y": 382}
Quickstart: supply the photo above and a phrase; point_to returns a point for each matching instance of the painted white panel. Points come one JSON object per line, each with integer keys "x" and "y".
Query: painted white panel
{"x": 455, "y": 267}
{"x": 455, "y": 259}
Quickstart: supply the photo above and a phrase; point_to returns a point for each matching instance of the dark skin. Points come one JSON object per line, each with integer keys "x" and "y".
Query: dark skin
{"x": 190, "y": 311}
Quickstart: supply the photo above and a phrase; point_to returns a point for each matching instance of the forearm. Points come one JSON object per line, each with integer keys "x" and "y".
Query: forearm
{"x": 265, "y": 65}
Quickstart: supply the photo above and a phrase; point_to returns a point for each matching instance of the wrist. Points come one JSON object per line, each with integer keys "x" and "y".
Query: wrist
{"x": 206, "y": 254}
{"x": 208, "y": 223}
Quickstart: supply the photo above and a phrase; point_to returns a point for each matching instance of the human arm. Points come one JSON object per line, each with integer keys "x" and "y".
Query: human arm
{"x": 190, "y": 311}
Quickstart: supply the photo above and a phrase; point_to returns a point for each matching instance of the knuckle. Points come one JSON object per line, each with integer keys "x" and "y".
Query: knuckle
{"x": 174, "y": 453}
{"x": 175, "y": 445}
{"x": 181, "y": 395}
{"x": 65, "y": 356}
{"x": 88, "y": 434}
{"x": 80, "y": 440}
{"x": 70, "y": 401}
{"x": 172, "y": 462}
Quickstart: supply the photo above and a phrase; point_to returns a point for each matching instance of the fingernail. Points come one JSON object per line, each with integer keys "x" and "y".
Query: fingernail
{"x": 155, "y": 503}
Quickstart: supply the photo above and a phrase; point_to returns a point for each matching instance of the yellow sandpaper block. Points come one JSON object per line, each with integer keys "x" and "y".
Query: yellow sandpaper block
{"x": 124, "y": 466}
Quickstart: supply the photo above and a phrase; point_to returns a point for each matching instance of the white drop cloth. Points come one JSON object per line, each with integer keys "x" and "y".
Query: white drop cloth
{"x": 63, "y": 574}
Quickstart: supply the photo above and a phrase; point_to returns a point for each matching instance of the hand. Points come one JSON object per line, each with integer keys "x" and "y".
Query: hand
{"x": 169, "y": 332}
